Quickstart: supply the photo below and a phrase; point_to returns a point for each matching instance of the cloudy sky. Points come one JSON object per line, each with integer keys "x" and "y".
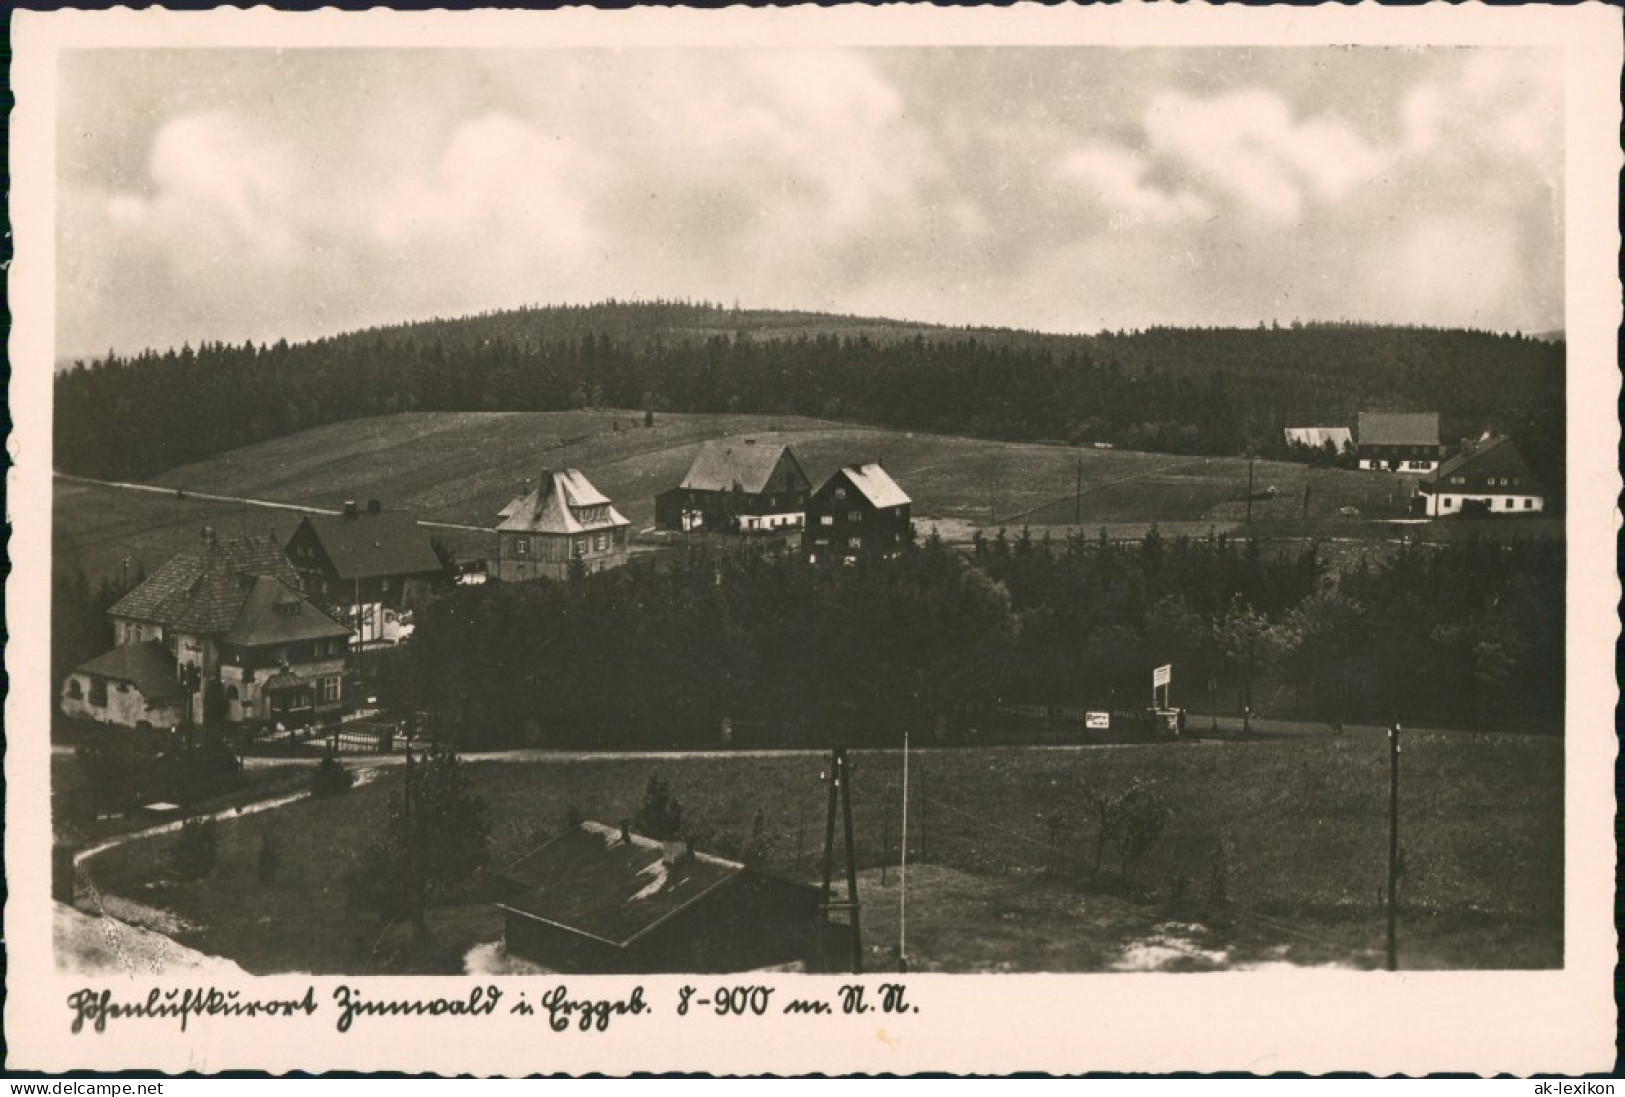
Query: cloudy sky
{"x": 255, "y": 194}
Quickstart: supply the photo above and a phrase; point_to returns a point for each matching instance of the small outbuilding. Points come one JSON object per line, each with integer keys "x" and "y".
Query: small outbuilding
{"x": 600, "y": 900}
{"x": 130, "y": 686}
{"x": 1398, "y": 441}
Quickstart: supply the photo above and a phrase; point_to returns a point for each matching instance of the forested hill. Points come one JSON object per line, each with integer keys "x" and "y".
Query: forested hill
{"x": 1172, "y": 389}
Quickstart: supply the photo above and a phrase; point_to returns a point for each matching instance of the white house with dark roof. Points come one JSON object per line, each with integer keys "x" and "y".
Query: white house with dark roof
{"x": 1489, "y": 475}
{"x": 860, "y": 512}
{"x": 564, "y": 519}
{"x": 737, "y": 484}
{"x": 1398, "y": 441}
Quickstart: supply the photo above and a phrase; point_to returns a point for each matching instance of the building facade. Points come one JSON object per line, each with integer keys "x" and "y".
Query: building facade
{"x": 230, "y": 621}
{"x": 365, "y": 565}
{"x": 564, "y": 520}
{"x": 134, "y": 685}
{"x": 858, "y": 513}
{"x": 737, "y": 486}
{"x": 1489, "y": 476}
{"x": 1388, "y": 441}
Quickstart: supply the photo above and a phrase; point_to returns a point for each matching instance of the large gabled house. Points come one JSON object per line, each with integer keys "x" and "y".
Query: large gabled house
{"x": 234, "y": 611}
{"x": 737, "y": 485}
{"x": 1398, "y": 441}
{"x": 1489, "y": 475}
{"x": 858, "y": 513}
{"x": 367, "y": 564}
{"x": 562, "y": 520}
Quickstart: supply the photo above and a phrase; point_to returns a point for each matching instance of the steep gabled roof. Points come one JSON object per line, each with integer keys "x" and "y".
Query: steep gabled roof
{"x": 1319, "y": 436}
{"x": 1399, "y": 428}
{"x": 275, "y": 613}
{"x": 875, "y": 484}
{"x": 202, "y": 589}
{"x": 147, "y": 665}
{"x": 374, "y": 543}
{"x": 560, "y": 504}
{"x": 1497, "y": 456}
{"x": 723, "y": 464}
{"x": 589, "y": 880}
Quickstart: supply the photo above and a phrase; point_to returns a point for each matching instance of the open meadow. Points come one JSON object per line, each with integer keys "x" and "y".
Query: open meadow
{"x": 1275, "y": 851}
{"x": 462, "y": 467}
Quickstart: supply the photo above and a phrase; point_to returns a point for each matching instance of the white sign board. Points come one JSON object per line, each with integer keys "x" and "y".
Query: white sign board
{"x": 1097, "y": 721}
{"x": 1162, "y": 676}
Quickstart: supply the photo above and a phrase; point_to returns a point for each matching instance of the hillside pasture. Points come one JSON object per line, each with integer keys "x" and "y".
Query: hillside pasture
{"x": 462, "y": 467}
{"x": 1275, "y": 849}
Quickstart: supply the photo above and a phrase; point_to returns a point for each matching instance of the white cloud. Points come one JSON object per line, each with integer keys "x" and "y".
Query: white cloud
{"x": 1115, "y": 177}
{"x": 1249, "y": 143}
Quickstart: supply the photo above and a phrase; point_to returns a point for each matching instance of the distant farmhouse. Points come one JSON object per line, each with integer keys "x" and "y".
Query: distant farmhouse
{"x": 1341, "y": 439}
{"x": 1490, "y": 472}
{"x": 564, "y": 518}
{"x": 1398, "y": 441}
{"x": 370, "y": 563}
{"x": 858, "y": 513}
{"x": 598, "y": 901}
{"x": 233, "y": 611}
{"x": 737, "y": 485}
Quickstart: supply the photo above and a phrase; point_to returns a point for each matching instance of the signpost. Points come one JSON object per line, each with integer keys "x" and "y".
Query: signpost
{"x": 1097, "y": 721}
{"x": 1162, "y": 678}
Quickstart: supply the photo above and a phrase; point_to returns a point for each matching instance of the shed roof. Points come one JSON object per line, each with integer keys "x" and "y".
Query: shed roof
{"x": 1319, "y": 436}
{"x": 1399, "y": 428}
{"x": 275, "y": 613}
{"x": 724, "y": 463}
{"x": 202, "y": 590}
{"x": 557, "y": 505}
{"x": 876, "y": 485}
{"x": 373, "y": 543}
{"x": 591, "y": 881}
{"x": 148, "y": 666}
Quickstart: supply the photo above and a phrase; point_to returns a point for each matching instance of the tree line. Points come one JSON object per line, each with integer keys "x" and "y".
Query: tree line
{"x": 1464, "y": 635}
{"x": 1208, "y": 391}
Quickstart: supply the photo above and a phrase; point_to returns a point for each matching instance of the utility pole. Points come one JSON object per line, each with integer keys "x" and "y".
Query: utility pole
{"x": 1393, "y": 845}
{"x": 902, "y": 895}
{"x": 840, "y": 786}
{"x": 1077, "y": 497}
{"x": 1249, "y": 487}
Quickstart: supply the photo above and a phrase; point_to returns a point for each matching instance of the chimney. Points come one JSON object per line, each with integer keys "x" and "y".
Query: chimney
{"x": 350, "y": 509}
{"x": 374, "y": 507}
{"x": 626, "y": 832}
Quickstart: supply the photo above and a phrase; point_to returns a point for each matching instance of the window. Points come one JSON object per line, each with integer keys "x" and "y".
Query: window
{"x": 521, "y": 546}
{"x": 98, "y": 692}
{"x": 231, "y": 693}
{"x": 330, "y": 689}
{"x": 600, "y": 542}
{"x": 854, "y": 516}
{"x": 521, "y": 571}
{"x": 581, "y": 546}
{"x": 840, "y": 493}
{"x": 75, "y": 690}
{"x": 287, "y": 609}
{"x": 1449, "y": 502}
{"x": 1528, "y": 504}
{"x": 384, "y": 585}
{"x": 826, "y": 519}
{"x": 854, "y": 542}
{"x": 772, "y": 500}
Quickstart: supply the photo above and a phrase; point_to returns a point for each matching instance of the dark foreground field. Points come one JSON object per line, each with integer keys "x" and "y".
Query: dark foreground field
{"x": 1275, "y": 852}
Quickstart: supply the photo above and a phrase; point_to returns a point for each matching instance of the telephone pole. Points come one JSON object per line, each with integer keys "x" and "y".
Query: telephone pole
{"x": 1077, "y": 497}
{"x": 840, "y": 787}
{"x": 1249, "y": 488}
{"x": 1393, "y": 845}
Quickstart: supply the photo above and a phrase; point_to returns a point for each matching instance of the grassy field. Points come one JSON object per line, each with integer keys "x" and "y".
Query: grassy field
{"x": 463, "y": 467}
{"x": 1294, "y": 828}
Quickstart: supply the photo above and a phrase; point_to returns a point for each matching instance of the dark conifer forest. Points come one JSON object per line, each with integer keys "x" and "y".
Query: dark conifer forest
{"x": 1177, "y": 390}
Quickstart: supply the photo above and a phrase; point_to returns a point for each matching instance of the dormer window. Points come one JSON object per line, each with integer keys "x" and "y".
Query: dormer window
{"x": 287, "y": 609}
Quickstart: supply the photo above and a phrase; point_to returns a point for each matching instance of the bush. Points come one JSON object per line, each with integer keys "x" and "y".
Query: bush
{"x": 660, "y": 815}
{"x": 193, "y": 855}
{"x": 330, "y": 778}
